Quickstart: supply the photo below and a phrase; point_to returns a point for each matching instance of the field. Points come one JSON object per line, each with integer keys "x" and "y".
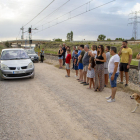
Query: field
{"x": 53, "y": 47}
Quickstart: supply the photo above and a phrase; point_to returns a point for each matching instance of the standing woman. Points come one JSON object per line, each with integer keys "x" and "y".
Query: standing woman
{"x": 94, "y": 50}
{"x": 99, "y": 68}
{"x": 60, "y": 56}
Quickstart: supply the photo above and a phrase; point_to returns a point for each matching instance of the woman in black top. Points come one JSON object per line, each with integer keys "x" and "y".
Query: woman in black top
{"x": 99, "y": 68}
{"x": 60, "y": 56}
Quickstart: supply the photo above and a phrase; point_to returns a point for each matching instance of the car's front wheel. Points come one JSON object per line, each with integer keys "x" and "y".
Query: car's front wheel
{"x": 1, "y": 79}
{"x": 32, "y": 77}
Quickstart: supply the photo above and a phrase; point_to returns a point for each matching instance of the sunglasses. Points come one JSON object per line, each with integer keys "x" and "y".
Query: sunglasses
{"x": 99, "y": 47}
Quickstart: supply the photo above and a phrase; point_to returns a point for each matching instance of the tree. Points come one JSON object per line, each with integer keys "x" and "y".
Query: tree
{"x": 7, "y": 44}
{"x": 120, "y": 39}
{"x": 108, "y": 39}
{"x": 132, "y": 39}
{"x": 70, "y": 36}
{"x": 101, "y": 37}
{"x": 58, "y": 40}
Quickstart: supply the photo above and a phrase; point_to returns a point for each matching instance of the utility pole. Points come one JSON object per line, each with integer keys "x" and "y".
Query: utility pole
{"x": 135, "y": 24}
{"x": 22, "y": 36}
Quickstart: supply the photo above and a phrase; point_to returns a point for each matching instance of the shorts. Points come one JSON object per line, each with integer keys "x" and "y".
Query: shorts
{"x": 106, "y": 71}
{"x": 67, "y": 66}
{"x": 60, "y": 57}
{"x": 114, "y": 82}
{"x": 123, "y": 67}
{"x": 80, "y": 66}
{"x": 76, "y": 67}
{"x": 85, "y": 68}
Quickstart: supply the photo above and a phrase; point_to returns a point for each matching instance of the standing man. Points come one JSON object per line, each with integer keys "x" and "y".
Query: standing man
{"x": 113, "y": 69}
{"x": 80, "y": 64}
{"x": 42, "y": 55}
{"x": 126, "y": 57}
{"x": 73, "y": 55}
{"x": 85, "y": 61}
{"x": 64, "y": 51}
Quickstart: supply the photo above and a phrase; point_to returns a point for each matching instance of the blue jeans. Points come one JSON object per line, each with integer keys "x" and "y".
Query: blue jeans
{"x": 114, "y": 82}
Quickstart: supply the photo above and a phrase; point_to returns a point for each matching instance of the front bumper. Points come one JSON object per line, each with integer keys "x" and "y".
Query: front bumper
{"x": 10, "y": 74}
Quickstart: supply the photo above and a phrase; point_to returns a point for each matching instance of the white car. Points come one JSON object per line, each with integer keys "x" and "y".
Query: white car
{"x": 15, "y": 63}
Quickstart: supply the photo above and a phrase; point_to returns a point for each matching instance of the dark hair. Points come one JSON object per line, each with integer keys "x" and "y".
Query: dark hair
{"x": 102, "y": 50}
{"x": 68, "y": 50}
{"x": 68, "y": 47}
{"x": 114, "y": 49}
{"x": 125, "y": 41}
{"x": 92, "y": 62}
{"x": 108, "y": 47}
{"x": 94, "y": 47}
{"x": 82, "y": 46}
{"x": 76, "y": 51}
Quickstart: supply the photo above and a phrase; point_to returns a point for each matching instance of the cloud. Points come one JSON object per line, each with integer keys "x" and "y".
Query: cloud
{"x": 110, "y": 20}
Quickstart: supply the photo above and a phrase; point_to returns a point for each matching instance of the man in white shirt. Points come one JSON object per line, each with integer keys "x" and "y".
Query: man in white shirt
{"x": 113, "y": 69}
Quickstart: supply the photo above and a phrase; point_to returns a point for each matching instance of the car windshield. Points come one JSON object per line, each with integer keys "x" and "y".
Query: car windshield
{"x": 14, "y": 54}
{"x": 30, "y": 51}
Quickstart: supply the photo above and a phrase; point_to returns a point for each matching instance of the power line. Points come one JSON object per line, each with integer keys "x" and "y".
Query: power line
{"x": 75, "y": 16}
{"x": 52, "y": 12}
{"x": 18, "y": 34}
{"x": 40, "y": 13}
{"x": 68, "y": 13}
{"x": 135, "y": 24}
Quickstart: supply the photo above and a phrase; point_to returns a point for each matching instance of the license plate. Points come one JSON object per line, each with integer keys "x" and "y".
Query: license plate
{"x": 32, "y": 58}
{"x": 17, "y": 72}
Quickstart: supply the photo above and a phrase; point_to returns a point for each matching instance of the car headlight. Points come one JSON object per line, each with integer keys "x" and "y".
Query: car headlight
{"x": 4, "y": 67}
{"x": 30, "y": 65}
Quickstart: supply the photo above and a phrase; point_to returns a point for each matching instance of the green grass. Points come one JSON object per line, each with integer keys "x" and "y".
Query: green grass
{"x": 134, "y": 62}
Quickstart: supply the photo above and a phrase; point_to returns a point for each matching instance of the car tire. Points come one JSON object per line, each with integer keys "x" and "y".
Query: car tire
{"x": 32, "y": 77}
{"x": 1, "y": 79}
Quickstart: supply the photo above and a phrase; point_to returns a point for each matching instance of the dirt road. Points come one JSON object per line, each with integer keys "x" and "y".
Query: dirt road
{"x": 52, "y": 107}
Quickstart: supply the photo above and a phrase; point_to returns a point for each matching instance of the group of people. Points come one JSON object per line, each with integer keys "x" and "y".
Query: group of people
{"x": 94, "y": 67}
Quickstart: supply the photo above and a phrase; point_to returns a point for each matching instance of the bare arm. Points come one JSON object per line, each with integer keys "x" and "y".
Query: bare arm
{"x": 79, "y": 58}
{"x": 120, "y": 52}
{"x": 115, "y": 70}
{"x": 90, "y": 54}
{"x": 104, "y": 56}
{"x": 130, "y": 59}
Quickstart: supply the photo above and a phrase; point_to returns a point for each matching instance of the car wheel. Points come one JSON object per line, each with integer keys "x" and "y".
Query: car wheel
{"x": 33, "y": 77}
{"x": 1, "y": 79}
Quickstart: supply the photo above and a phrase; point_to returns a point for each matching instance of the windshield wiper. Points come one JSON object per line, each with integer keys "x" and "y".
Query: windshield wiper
{"x": 13, "y": 58}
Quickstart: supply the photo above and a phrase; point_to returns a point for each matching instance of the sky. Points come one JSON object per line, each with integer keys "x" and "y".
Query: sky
{"x": 47, "y": 17}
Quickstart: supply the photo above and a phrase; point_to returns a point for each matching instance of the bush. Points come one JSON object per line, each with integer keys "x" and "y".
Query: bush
{"x": 134, "y": 55}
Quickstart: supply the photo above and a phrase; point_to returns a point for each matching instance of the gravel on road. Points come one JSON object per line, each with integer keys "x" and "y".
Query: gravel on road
{"x": 52, "y": 107}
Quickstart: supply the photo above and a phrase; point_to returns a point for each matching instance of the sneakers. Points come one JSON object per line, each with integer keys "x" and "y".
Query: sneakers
{"x": 111, "y": 100}
{"x": 82, "y": 82}
{"x": 85, "y": 84}
{"x": 126, "y": 85}
{"x": 108, "y": 97}
{"x": 76, "y": 76}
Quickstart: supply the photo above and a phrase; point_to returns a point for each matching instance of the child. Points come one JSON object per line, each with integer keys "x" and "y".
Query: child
{"x": 90, "y": 72}
{"x": 68, "y": 63}
{"x": 75, "y": 63}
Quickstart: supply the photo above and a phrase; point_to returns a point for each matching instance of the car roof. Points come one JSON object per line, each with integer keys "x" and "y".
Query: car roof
{"x": 12, "y": 49}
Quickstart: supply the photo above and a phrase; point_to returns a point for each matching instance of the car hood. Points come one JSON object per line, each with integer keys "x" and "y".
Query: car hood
{"x": 32, "y": 55}
{"x": 16, "y": 63}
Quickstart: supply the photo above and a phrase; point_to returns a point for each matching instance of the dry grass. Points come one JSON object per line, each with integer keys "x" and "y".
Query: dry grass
{"x": 57, "y": 66}
{"x": 49, "y": 63}
{"x": 121, "y": 87}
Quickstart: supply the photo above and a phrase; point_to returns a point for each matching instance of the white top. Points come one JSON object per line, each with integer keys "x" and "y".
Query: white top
{"x": 107, "y": 60}
{"x": 111, "y": 65}
{"x": 94, "y": 52}
{"x": 65, "y": 54}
